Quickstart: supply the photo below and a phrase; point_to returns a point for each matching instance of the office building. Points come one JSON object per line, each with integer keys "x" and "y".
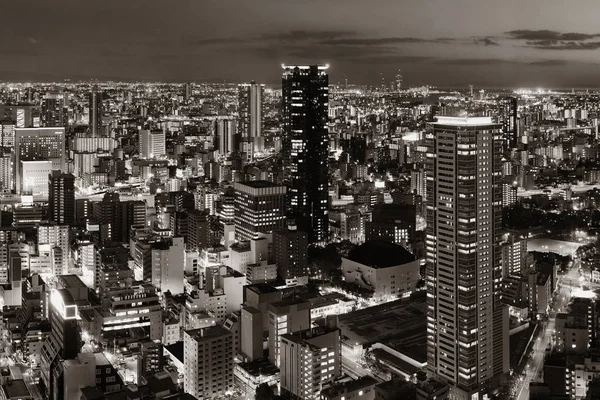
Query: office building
{"x": 198, "y": 230}
{"x": 208, "y": 362}
{"x": 290, "y": 252}
{"x": 467, "y": 329}
{"x": 259, "y": 208}
{"x": 250, "y": 124}
{"x": 305, "y": 147}
{"x": 310, "y": 359}
{"x": 96, "y": 111}
{"x": 152, "y": 144}
{"x": 53, "y": 110}
{"x": 286, "y": 316}
{"x": 63, "y": 342}
{"x": 61, "y": 198}
{"x": 53, "y": 241}
{"x": 34, "y": 178}
{"x": 167, "y": 265}
{"x": 39, "y": 144}
{"x": 126, "y": 308}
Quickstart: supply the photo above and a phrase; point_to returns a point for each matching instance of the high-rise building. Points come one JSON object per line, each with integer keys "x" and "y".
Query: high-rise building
{"x": 7, "y": 176}
{"x": 514, "y": 255}
{"x": 309, "y": 360}
{"x": 467, "y": 333}
{"x": 61, "y": 197}
{"x": 187, "y": 91}
{"x": 38, "y": 144}
{"x": 290, "y": 248}
{"x": 208, "y": 362}
{"x": 227, "y": 136}
{"x": 509, "y": 194}
{"x": 53, "y": 110}
{"x": 53, "y": 241}
{"x": 286, "y": 316}
{"x": 259, "y": 208}
{"x": 96, "y": 111}
{"x": 64, "y": 341}
{"x": 508, "y": 118}
{"x": 152, "y": 144}
{"x": 305, "y": 102}
{"x": 116, "y": 218}
{"x": 198, "y": 230}
{"x": 167, "y": 265}
{"x": 250, "y": 124}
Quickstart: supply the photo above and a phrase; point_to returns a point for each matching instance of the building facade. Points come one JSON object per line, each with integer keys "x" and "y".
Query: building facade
{"x": 467, "y": 330}
{"x": 305, "y": 102}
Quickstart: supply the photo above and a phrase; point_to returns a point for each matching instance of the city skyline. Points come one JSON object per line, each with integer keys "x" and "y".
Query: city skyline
{"x": 508, "y": 44}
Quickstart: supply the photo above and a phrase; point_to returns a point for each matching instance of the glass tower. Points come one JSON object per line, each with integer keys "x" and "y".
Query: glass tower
{"x": 305, "y": 147}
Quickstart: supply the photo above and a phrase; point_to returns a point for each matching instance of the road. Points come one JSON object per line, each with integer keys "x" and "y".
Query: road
{"x": 34, "y": 389}
{"x": 545, "y": 336}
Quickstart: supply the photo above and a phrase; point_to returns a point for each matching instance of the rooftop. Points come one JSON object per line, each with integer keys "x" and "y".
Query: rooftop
{"x": 464, "y": 121}
{"x": 207, "y": 333}
{"x": 396, "y": 323}
{"x": 16, "y": 389}
{"x": 380, "y": 254}
{"x": 259, "y": 367}
{"x": 262, "y": 288}
{"x": 348, "y": 387}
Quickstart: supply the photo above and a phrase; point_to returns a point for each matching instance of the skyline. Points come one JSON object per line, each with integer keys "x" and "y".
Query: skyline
{"x": 503, "y": 45}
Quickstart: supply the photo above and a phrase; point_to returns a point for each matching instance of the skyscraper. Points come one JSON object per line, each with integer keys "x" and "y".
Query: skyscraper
{"x": 96, "y": 111}
{"x": 250, "y": 124}
{"x": 38, "y": 144}
{"x": 467, "y": 330}
{"x": 306, "y": 145}
{"x": 61, "y": 197}
{"x": 226, "y": 132}
{"x": 259, "y": 208}
{"x": 508, "y": 118}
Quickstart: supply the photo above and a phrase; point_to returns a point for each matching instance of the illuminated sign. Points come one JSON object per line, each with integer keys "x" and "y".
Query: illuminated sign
{"x": 66, "y": 311}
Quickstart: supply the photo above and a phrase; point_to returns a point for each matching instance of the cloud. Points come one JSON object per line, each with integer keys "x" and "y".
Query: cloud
{"x": 554, "y": 40}
{"x": 486, "y": 41}
{"x": 303, "y": 35}
{"x": 548, "y": 63}
{"x": 477, "y": 61}
{"x": 354, "y": 41}
{"x": 563, "y": 45}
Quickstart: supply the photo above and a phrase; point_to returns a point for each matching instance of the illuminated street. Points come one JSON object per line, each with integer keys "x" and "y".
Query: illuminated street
{"x": 568, "y": 283}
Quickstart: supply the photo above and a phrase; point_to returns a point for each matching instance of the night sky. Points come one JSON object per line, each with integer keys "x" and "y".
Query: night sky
{"x": 554, "y": 43}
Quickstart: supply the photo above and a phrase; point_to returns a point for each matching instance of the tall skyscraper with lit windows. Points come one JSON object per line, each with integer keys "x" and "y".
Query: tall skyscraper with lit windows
{"x": 305, "y": 101}
{"x": 467, "y": 331}
{"x": 96, "y": 111}
{"x": 250, "y": 123}
{"x": 507, "y": 116}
